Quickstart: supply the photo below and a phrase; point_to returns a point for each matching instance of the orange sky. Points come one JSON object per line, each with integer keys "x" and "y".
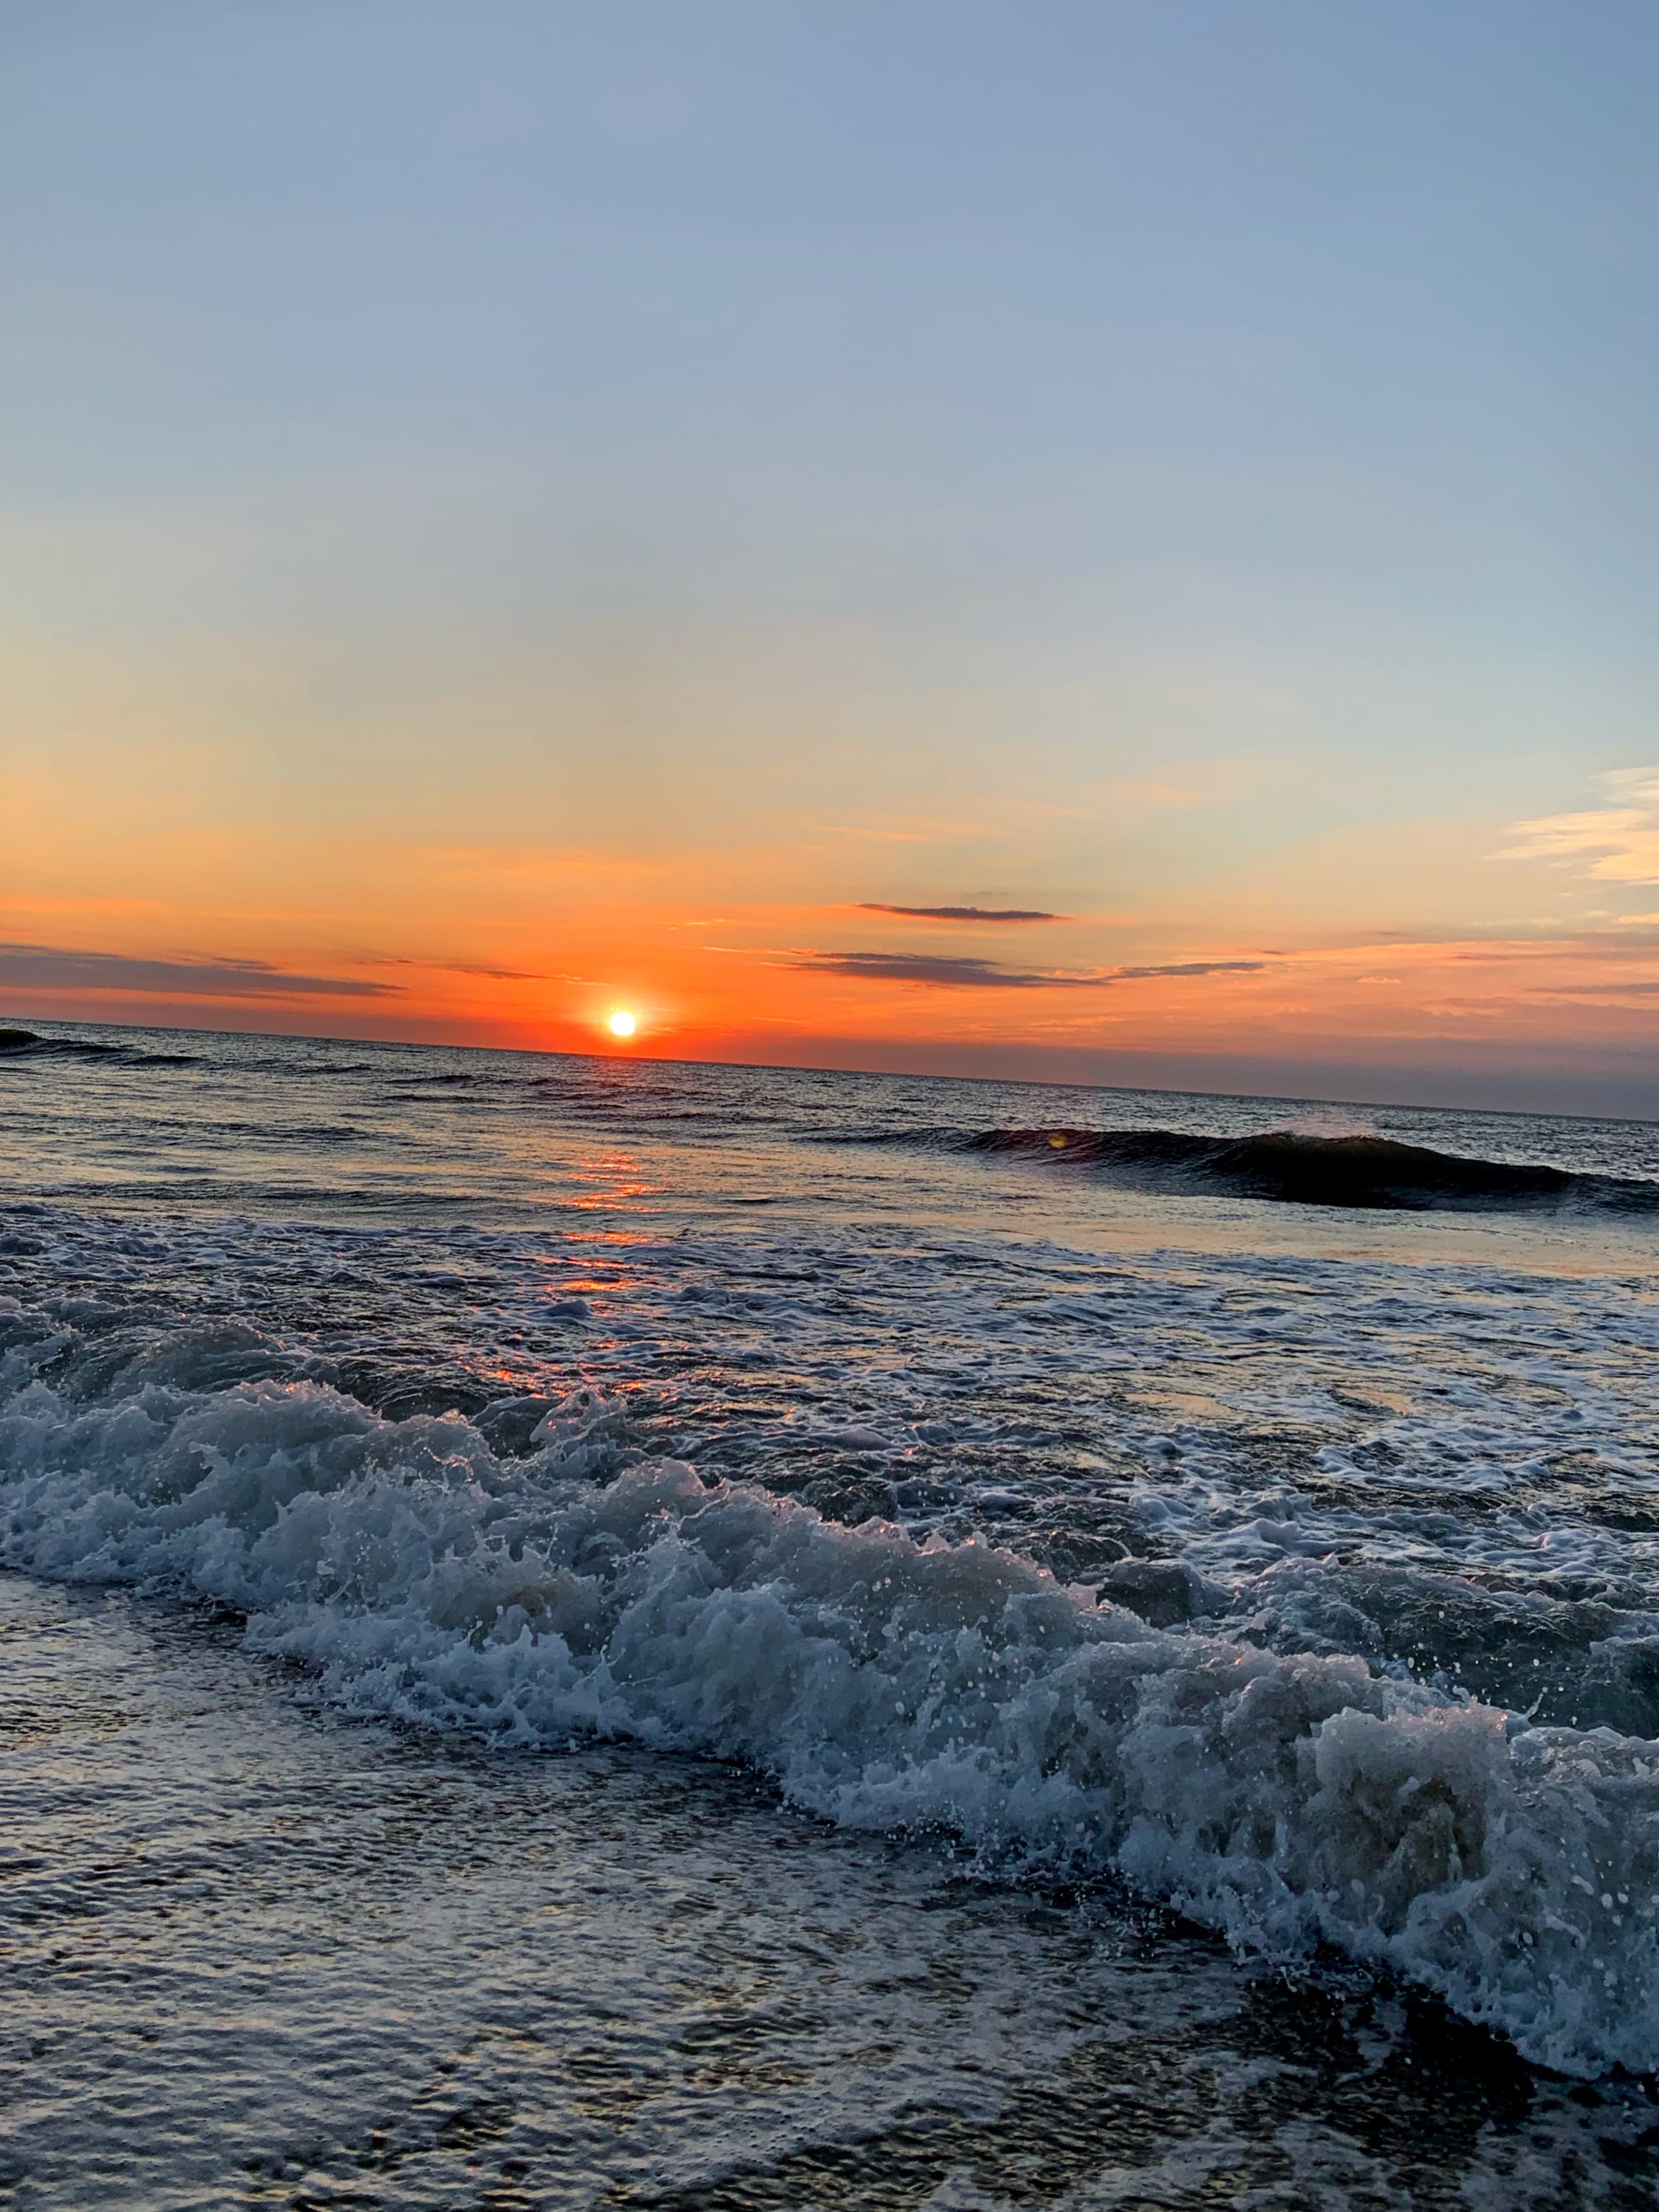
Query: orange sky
{"x": 142, "y": 865}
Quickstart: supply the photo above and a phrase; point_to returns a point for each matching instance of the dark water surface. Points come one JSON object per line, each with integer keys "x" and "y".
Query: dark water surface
{"x": 589, "y": 1632}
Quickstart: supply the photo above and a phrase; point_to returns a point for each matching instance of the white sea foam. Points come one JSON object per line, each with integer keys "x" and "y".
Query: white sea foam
{"x": 1282, "y": 1797}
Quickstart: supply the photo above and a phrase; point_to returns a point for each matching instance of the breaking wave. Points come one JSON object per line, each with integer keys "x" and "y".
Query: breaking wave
{"x": 18, "y": 1043}
{"x": 1286, "y": 1166}
{"x": 1284, "y": 1799}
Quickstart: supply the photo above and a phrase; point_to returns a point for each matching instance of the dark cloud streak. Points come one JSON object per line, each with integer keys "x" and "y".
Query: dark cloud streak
{"x": 985, "y": 974}
{"x": 961, "y": 913}
{"x": 57, "y": 968}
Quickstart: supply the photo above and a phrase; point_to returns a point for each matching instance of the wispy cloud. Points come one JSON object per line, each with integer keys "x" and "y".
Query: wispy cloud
{"x": 57, "y": 967}
{"x": 1183, "y": 967}
{"x": 961, "y": 913}
{"x": 467, "y": 967}
{"x": 1634, "y": 988}
{"x": 989, "y": 976}
{"x": 1620, "y": 841}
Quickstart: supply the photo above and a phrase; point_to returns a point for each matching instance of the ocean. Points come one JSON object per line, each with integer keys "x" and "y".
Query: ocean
{"x": 610, "y": 1633}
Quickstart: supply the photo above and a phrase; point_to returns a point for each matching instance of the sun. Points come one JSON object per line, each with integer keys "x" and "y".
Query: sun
{"x": 621, "y": 1024}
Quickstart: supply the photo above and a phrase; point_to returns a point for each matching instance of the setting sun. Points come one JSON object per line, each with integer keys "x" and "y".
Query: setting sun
{"x": 621, "y": 1025}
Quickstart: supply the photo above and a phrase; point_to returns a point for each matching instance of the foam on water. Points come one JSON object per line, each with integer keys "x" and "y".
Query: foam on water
{"x": 1297, "y": 1562}
{"x": 1284, "y": 1796}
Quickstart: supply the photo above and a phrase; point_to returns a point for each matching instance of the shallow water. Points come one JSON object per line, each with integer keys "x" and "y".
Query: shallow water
{"x": 257, "y": 1954}
{"x": 1294, "y": 1565}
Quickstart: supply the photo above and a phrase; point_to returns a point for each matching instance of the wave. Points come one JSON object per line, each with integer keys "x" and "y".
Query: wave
{"x": 1285, "y": 1799}
{"x": 17, "y": 1043}
{"x": 1286, "y": 1166}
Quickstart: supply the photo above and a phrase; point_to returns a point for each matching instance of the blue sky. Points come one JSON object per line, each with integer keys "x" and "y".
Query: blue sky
{"x": 1189, "y": 467}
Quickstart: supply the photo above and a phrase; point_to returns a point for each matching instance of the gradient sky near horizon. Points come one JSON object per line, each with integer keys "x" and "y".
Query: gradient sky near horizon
{"x": 513, "y": 510}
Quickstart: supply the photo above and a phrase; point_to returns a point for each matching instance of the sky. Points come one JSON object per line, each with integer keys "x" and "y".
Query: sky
{"x": 1114, "y": 542}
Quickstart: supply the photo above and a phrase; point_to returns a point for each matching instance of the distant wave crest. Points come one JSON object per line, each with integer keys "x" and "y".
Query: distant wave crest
{"x": 27, "y": 1044}
{"x": 1287, "y": 1166}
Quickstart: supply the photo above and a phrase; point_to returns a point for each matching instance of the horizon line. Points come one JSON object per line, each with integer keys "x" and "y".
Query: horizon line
{"x": 911, "y": 1075}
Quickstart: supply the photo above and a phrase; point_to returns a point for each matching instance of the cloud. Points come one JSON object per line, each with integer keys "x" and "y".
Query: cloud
{"x": 56, "y": 968}
{"x": 468, "y": 968}
{"x": 1636, "y": 987}
{"x": 988, "y": 974}
{"x": 1183, "y": 967}
{"x": 1620, "y": 841}
{"x": 961, "y": 913}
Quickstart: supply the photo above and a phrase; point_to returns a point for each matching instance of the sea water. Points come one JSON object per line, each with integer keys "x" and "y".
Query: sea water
{"x": 590, "y": 1632}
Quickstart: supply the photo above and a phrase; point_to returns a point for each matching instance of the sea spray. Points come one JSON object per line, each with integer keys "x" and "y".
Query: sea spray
{"x": 1285, "y": 1798}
